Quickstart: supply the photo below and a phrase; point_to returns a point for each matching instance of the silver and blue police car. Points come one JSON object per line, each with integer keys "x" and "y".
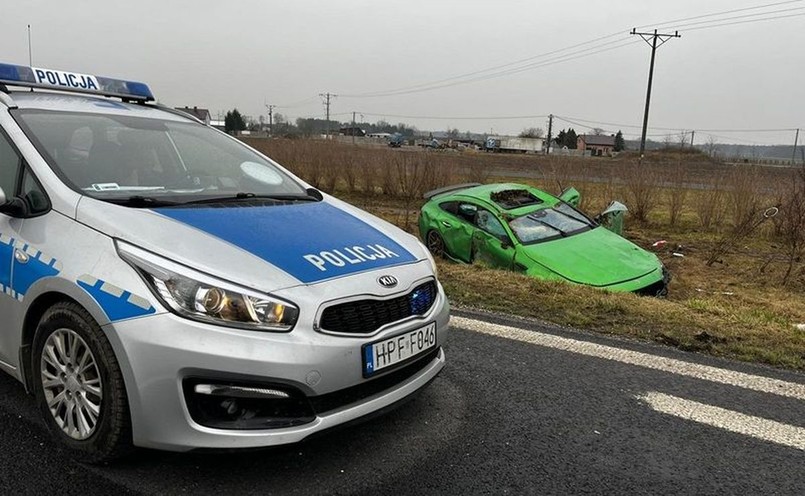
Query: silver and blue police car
{"x": 163, "y": 285}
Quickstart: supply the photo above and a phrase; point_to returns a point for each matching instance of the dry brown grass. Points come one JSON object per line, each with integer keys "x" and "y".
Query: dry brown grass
{"x": 741, "y": 327}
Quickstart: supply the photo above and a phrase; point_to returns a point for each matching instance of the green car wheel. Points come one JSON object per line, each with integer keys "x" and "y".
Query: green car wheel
{"x": 435, "y": 244}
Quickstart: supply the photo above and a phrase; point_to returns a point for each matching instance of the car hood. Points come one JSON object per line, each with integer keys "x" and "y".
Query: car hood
{"x": 264, "y": 247}
{"x": 597, "y": 257}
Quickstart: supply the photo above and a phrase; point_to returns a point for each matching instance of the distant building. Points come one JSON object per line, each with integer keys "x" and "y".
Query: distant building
{"x": 597, "y": 145}
{"x": 201, "y": 114}
{"x": 351, "y": 131}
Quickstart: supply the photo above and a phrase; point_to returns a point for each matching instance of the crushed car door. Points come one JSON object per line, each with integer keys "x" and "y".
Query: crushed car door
{"x": 491, "y": 243}
{"x": 457, "y": 229}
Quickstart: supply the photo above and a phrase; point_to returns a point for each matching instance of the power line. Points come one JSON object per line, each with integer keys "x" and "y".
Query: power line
{"x": 635, "y": 126}
{"x": 488, "y": 69}
{"x": 457, "y": 118}
{"x": 565, "y": 58}
{"x": 299, "y": 103}
{"x": 664, "y": 24}
{"x": 746, "y": 22}
{"x": 461, "y": 78}
{"x": 744, "y": 16}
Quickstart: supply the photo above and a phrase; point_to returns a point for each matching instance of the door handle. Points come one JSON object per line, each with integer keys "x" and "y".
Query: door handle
{"x": 446, "y": 224}
{"x": 21, "y": 256}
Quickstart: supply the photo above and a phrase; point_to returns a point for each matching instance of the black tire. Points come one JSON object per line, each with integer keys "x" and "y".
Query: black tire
{"x": 435, "y": 244}
{"x": 111, "y": 436}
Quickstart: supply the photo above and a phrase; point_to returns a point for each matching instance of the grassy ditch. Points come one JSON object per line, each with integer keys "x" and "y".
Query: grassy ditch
{"x": 741, "y": 327}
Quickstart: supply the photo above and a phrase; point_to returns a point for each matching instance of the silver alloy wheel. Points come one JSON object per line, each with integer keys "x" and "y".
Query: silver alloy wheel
{"x": 72, "y": 383}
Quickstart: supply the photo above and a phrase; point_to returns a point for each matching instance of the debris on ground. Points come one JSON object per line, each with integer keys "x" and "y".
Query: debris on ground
{"x": 725, "y": 293}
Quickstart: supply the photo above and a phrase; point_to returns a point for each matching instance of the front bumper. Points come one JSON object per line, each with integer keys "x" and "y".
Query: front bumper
{"x": 158, "y": 353}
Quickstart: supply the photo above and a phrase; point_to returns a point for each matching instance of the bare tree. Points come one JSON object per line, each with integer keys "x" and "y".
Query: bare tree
{"x": 791, "y": 224}
{"x": 532, "y": 132}
{"x": 682, "y": 138}
{"x": 711, "y": 146}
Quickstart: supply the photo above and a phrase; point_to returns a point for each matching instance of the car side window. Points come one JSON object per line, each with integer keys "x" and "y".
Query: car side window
{"x": 487, "y": 221}
{"x": 33, "y": 194}
{"x": 9, "y": 167}
{"x": 450, "y": 207}
{"x": 467, "y": 212}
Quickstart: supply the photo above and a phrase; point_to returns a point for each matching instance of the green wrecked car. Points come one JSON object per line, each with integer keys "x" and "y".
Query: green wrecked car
{"x": 524, "y": 229}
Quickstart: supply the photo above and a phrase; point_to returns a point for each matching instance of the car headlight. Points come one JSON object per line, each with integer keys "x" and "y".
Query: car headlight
{"x": 430, "y": 258}
{"x": 204, "y": 298}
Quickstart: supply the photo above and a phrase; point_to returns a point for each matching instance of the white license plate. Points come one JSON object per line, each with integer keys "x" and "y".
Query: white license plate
{"x": 382, "y": 354}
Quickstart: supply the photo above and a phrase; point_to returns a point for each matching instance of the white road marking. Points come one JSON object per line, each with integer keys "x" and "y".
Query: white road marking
{"x": 679, "y": 367}
{"x": 748, "y": 425}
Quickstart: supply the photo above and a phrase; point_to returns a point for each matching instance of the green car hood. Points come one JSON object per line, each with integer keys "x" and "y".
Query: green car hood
{"x": 597, "y": 257}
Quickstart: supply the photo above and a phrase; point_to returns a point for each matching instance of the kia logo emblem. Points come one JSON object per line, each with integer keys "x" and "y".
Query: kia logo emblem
{"x": 387, "y": 281}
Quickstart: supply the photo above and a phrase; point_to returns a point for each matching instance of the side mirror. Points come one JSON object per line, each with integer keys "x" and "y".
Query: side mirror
{"x": 314, "y": 193}
{"x": 505, "y": 242}
{"x": 612, "y": 217}
{"x": 13, "y": 207}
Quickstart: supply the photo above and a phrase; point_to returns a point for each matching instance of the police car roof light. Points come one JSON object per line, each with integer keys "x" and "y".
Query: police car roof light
{"x": 34, "y": 77}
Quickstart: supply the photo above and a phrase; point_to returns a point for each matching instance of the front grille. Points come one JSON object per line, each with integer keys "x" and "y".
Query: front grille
{"x": 367, "y": 316}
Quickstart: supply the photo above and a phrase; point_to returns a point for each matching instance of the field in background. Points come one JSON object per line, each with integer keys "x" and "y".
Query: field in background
{"x": 739, "y": 284}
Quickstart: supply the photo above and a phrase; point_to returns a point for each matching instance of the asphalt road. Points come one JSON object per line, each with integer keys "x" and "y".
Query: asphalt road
{"x": 530, "y": 410}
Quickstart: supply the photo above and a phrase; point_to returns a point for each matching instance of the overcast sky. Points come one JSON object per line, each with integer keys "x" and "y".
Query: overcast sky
{"x": 225, "y": 54}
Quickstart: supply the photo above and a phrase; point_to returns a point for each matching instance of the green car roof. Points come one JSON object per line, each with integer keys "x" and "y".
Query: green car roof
{"x": 484, "y": 193}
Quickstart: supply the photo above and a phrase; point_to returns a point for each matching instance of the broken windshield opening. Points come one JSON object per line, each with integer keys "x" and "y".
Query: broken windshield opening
{"x": 549, "y": 223}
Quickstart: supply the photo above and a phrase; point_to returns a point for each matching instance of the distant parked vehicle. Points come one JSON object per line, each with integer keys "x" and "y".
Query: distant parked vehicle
{"x": 510, "y": 144}
{"x": 396, "y": 140}
{"x": 431, "y": 143}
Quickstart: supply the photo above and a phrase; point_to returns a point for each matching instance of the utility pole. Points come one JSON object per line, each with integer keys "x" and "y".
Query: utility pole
{"x": 270, "y": 119}
{"x": 327, "y": 97}
{"x": 550, "y": 130}
{"x": 353, "y": 127}
{"x": 794, "y": 153}
{"x": 651, "y": 39}
{"x": 692, "y": 135}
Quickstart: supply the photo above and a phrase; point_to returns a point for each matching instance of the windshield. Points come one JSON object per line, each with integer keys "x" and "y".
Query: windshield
{"x": 561, "y": 220}
{"x": 113, "y": 157}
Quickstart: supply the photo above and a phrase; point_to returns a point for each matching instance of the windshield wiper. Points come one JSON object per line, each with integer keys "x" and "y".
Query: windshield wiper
{"x": 139, "y": 201}
{"x": 245, "y": 196}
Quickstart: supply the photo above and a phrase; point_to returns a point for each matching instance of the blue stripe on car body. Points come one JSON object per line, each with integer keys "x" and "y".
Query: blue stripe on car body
{"x": 310, "y": 241}
{"x": 117, "y": 303}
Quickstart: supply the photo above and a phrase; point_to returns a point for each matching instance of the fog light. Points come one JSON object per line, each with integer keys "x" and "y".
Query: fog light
{"x": 240, "y": 391}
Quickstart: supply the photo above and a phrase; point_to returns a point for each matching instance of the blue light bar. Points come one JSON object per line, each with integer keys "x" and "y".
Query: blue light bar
{"x": 34, "y": 77}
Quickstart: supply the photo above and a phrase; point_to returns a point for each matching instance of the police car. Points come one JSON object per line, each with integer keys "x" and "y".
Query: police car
{"x": 163, "y": 285}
